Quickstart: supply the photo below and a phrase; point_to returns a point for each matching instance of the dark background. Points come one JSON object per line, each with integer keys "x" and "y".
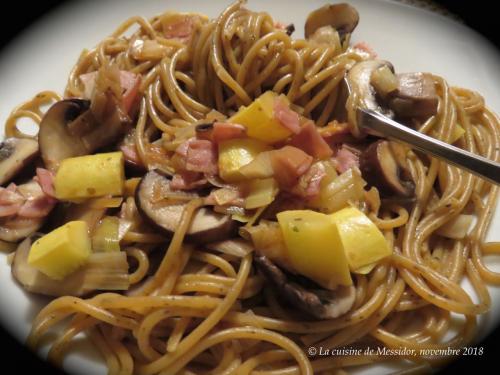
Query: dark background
{"x": 479, "y": 15}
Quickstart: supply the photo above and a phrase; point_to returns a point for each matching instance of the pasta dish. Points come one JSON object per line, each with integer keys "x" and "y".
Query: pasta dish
{"x": 202, "y": 200}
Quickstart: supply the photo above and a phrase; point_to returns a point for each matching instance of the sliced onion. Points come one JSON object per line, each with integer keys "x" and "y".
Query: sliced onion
{"x": 456, "y": 228}
{"x": 236, "y": 247}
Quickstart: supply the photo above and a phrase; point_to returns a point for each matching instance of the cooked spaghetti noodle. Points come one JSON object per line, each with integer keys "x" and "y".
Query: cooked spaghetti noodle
{"x": 205, "y": 311}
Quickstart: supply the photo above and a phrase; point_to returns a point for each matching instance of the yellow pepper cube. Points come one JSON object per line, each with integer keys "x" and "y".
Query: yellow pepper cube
{"x": 313, "y": 247}
{"x": 259, "y": 120}
{"x": 236, "y": 153}
{"x": 363, "y": 243}
{"x": 90, "y": 176}
{"x": 62, "y": 251}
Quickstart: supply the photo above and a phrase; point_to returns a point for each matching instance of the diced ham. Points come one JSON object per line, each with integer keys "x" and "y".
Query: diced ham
{"x": 310, "y": 183}
{"x": 286, "y": 117}
{"x": 187, "y": 181}
{"x": 310, "y": 141}
{"x": 34, "y": 199}
{"x": 36, "y": 208}
{"x": 129, "y": 82}
{"x": 182, "y": 149}
{"x": 345, "y": 160}
{"x": 223, "y": 131}
{"x": 335, "y": 132}
{"x": 202, "y": 157}
{"x": 182, "y": 28}
{"x": 365, "y": 47}
{"x": 45, "y": 179}
{"x": 289, "y": 163}
{"x": 130, "y": 154}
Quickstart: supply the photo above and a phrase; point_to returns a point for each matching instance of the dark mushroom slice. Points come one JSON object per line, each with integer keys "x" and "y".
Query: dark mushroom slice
{"x": 380, "y": 168}
{"x": 55, "y": 140}
{"x": 416, "y": 96}
{"x": 342, "y": 17}
{"x": 15, "y": 154}
{"x": 103, "y": 271}
{"x": 319, "y": 303}
{"x": 206, "y": 226}
{"x": 70, "y": 129}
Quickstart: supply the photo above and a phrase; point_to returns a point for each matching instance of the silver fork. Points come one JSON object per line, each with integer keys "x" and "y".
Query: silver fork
{"x": 376, "y": 123}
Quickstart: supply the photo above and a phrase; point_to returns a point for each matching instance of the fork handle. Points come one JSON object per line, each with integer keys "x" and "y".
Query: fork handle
{"x": 373, "y": 121}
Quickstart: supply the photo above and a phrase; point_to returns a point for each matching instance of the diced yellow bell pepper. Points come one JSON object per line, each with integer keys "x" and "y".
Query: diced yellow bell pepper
{"x": 259, "y": 120}
{"x": 261, "y": 193}
{"x": 62, "y": 251}
{"x": 90, "y": 176}
{"x": 235, "y": 153}
{"x": 105, "y": 237}
{"x": 361, "y": 240}
{"x": 313, "y": 247}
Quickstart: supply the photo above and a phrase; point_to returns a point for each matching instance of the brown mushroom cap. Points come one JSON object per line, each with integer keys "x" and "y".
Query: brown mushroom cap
{"x": 320, "y": 303}
{"x": 70, "y": 129}
{"x": 380, "y": 169}
{"x": 342, "y": 17}
{"x": 55, "y": 140}
{"x": 15, "y": 154}
{"x": 206, "y": 226}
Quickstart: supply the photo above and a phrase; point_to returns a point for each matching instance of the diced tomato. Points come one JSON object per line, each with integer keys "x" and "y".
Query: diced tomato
{"x": 310, "y": 141}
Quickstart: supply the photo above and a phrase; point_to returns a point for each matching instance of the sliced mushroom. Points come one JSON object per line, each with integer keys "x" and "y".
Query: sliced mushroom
{"x": 55, "y": 139}
{"x": 416, "y": 96}
{"x": 319, "y": 303}
{"x": 70, "y": 129}
{"x": 342, "y": 17}
{"x": 15, "y": 154}
{"x": 16, "y": 228}
{"x": 359, "y": 79}
{"x": 101, "y": 271}
{"x": 206, "y": 226}
{"x": 380, "y": 169}
{"x": 29, "y": 216}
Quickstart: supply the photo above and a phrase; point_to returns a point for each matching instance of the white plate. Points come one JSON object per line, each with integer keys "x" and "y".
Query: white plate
{"x": 413, "y": 39}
